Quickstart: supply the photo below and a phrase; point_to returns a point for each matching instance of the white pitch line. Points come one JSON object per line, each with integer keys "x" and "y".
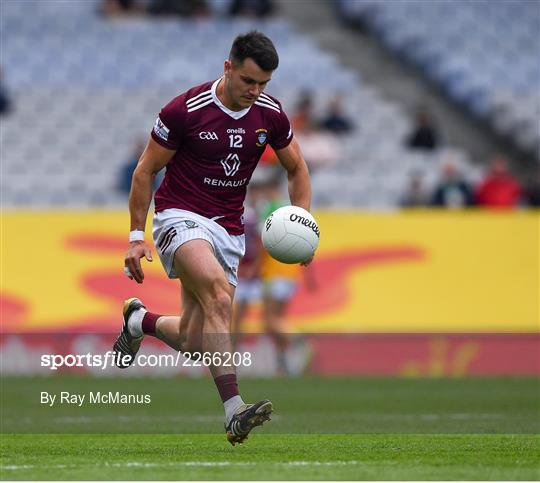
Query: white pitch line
{"x": 137, "y": 464}
{"x": 210, "y": 418}
{"x": 130, "y": 419}
{"x": 16, "y": 467}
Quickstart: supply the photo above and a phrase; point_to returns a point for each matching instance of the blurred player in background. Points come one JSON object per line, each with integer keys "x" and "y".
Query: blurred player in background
{"x": 249, "y": 289}
{"x": 210, "y": 138}
{"x": 261, "y": 278}
{"x": 280, "y": 282}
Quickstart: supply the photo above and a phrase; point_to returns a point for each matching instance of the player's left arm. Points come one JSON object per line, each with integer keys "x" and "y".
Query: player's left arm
{"x": 293, "y": 161}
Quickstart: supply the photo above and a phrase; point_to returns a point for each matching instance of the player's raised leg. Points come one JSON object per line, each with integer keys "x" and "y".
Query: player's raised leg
{"x": 205, "y": 279}
{"x": 183, "y": 333}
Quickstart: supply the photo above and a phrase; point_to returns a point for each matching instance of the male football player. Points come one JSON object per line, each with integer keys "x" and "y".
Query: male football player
{"x": 210, "y": 139}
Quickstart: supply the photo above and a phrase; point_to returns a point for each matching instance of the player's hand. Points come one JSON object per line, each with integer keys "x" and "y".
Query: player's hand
{"x": 132, "y": 262}
{"x": 308, "y": 261}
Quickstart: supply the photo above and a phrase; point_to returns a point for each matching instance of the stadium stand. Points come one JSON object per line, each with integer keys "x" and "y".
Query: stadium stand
{"x": 85, "y": 87}
{"x": 484, "y": 54}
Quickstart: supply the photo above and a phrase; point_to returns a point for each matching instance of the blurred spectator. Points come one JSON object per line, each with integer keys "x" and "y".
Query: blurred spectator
{"x": 452, "y": 191}
{"x": 251, "y": 8}
{"x": 269, "y": 157}
{"x": 335, "y": 120}
{"x": 183, "y": 8}
{"x": 532, "y": 193}
{"x": 425, "y": 133}
{"x": 5, "y": 100}
{"x": 302, "y": 117}
{"x": 320, "y": 149}
{"x": 499, "y": 188}
{"x": 111, "y": 8}
{"x": 126, "y": 172}
{"x": 415, "y": 195}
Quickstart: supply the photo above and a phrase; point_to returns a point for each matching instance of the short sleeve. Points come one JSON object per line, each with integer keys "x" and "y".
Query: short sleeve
{"x": 282, "y": 135}
{"x": 169, "y": 126}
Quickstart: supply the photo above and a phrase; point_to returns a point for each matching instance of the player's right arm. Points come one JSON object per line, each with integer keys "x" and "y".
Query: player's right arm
{"x": 152, "y": 160}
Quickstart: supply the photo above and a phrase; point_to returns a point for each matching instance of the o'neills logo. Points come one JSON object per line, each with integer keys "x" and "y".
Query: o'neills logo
{"x": 304, "y": 221}
{"x": 268, "y": 223}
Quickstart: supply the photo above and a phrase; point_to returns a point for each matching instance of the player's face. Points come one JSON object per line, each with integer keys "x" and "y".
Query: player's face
{"x": 245, "y": 82}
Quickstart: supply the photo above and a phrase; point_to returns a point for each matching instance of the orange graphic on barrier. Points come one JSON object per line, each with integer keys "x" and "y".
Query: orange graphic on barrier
{"x": 332, "y": 272}
{"x": 400, "y": 272}
{"x": 163, "y": 295}
{"x": 443, "y": 360}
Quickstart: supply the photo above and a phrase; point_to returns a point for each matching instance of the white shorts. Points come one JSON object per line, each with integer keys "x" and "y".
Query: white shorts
{"x": 280, "y": 288}
{"x": 248, "y": 291}
{"x": 174, "y": 227}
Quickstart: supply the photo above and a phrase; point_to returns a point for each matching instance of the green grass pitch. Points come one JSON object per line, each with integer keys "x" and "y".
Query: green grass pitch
{"x": 323, "y": 429}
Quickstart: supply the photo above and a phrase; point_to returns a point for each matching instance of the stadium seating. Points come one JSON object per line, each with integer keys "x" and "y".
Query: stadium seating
{"x": 86, "y": 88}
{"x": 485, "y": 54}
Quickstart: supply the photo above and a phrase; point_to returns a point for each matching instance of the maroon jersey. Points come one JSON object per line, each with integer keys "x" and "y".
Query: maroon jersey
{"x": 216, "y": 152}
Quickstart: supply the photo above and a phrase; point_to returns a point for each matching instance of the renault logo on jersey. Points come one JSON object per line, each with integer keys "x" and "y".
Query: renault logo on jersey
{"x": 208, "y": 135}
{"x": 231, "y": 164}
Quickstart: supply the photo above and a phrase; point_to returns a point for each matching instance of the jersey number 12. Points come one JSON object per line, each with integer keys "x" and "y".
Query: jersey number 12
{"x": 235, "y": 141}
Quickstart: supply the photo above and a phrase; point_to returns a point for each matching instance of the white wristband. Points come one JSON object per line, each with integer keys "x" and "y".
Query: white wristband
{"x": 136, "y": 235}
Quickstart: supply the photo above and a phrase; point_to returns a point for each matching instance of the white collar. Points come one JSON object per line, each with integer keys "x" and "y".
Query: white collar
{"x": 234, "y": 114}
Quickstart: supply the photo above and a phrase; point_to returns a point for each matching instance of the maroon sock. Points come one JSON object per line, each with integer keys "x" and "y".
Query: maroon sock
{"x": 149, "y": 323}
{"x": 227, "y": 386}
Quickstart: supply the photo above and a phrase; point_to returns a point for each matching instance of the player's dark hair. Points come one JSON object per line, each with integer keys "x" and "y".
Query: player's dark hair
{"x": 257, "y": 46}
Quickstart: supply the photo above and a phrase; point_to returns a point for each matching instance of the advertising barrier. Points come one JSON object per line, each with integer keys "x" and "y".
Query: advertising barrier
{"x": 411, "y": 293}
